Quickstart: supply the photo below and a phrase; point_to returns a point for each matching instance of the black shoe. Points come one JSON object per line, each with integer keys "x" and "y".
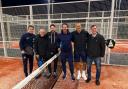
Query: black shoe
{"x": 72, "y": 77}
{"x": 88, "y": 80}
{"x": 64, "y": 76}
{"x": 26, "y": 74}
{"x": 55, "y": 75}
{"x": 44, "y": 74}
{"x": 48, "y": 75}
{"x": 97, "y": 82}
{"x": 38, "y": 76}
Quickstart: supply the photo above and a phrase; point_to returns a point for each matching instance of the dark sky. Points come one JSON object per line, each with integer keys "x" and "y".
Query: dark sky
{"x": 27, "y": 2}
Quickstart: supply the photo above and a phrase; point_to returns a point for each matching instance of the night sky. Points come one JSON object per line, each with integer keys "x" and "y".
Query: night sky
{"x": 27, "y": 2}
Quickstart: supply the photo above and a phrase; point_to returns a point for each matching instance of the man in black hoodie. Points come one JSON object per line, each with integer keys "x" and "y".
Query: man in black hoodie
{"x": 52, "y": 49}
{"x": 95, "y": 50}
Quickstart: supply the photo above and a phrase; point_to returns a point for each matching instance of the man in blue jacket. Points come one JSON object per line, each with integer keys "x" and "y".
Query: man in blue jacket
{"x": 26, "y": 46}
{"x": 65, "y": 39}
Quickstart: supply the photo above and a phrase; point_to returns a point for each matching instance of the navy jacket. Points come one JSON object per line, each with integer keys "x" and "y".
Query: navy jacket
{"x": 26, "y": 40}
{"x": 65, "y": 42}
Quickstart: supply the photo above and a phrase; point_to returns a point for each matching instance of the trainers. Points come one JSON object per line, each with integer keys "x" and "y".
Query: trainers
{"x": 54, "y": 74}
{"x": 97, "y": 82}
{"x": 44, "y": 74}
{"x": 79, "y": 75}
{"x": 38, "y": 76}
{"x": 88, "y": 80}
{"x": 64, "y": 76}
{"x": 83, "y": 75}
{"x": 48, "y": 75}
{"x": 72, "y": 77}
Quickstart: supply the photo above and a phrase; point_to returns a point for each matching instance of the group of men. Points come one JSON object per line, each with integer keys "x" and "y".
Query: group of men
{"x": 75, "y": 47}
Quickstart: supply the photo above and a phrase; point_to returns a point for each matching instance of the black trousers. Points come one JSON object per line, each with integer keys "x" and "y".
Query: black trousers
{"x": 49, "y": 55}
{"x": 27, "y": 59}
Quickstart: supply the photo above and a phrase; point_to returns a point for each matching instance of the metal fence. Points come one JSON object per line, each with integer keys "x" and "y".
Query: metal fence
{"x": 14, "y": 21}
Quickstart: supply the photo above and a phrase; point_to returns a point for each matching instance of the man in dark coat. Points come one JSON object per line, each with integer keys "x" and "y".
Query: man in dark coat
{"x": 95, "y": 50}
{"x": 52, "y": 49}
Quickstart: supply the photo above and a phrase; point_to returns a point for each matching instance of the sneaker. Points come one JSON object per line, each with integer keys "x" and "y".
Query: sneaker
{"x": 38, "y": 76}
{"x": 79, "y": 75}
{"x": 97, "y": 82}
{"x": 88, "y": 80}
{"x": 44, "y": 74}
{"x": 55, "y": 75}
{"x": 83, "y": 75}
{"x": 72, "y": 77}
{"x": 64, "y": 76}
{"x": 48, "y": 75}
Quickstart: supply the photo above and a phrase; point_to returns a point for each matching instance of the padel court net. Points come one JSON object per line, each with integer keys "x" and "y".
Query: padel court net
{"x": 37, "y": 79}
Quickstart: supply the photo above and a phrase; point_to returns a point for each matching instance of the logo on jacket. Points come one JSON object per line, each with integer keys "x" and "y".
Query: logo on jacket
{"x": 27, "y": 38}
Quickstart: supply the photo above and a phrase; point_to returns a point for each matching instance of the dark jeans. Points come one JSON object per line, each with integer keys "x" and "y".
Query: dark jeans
{"x": 97, "y": 61}
{"x": 64, "y": 57}
{"x": 55, "y": 62}
{"x": 27, "y": 58}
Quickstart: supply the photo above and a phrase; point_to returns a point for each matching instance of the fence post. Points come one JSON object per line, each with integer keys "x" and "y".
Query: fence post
{"x": 31, "y": 14}
{"x": 111, "y": 25}
{"x": 3, "y": 32}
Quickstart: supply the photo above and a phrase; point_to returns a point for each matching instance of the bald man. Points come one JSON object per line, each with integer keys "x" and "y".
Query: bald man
{"x": 40, "y": 46}
{"x": 79, "y": 38}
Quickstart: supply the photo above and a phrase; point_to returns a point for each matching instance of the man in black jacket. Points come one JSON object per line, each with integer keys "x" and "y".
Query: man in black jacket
{"x": 41, "y": 46}
{"x": 26, "y": 46}
{"x": 52, "y": 49}
{"x": 95, "y": 50}
{"x": 79, "y": 38}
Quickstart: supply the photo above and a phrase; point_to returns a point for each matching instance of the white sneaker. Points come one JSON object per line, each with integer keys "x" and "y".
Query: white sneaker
{"x": 84, "y": 75}
{"x": 79, "y": 75}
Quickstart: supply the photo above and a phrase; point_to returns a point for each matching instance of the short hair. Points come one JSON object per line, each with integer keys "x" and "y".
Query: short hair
{"x": 65, "y": 24}
{"x": 53, "y": 25}
{"x": 93, "y": 26}
{"x": 30, "y": 26}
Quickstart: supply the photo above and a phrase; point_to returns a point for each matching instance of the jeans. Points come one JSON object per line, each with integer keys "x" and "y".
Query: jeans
{"x": 40, "y": 61}
{"x": 55, "y": 63}
{"x": 97, "y": 61}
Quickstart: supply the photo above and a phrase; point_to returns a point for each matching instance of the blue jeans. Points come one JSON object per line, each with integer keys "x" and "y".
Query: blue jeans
{"x": 97, "y": 61}
{"x": 40, "y": 61}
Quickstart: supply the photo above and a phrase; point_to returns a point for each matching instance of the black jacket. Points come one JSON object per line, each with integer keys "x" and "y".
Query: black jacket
{"x": 26, "y": 40}
{"x": 80, "y": 40}
{"x": 41, "y": 45}
{"x": 53, "y": 44}
{"x": 96, "y": 46}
